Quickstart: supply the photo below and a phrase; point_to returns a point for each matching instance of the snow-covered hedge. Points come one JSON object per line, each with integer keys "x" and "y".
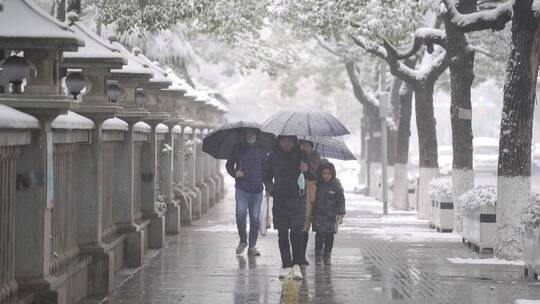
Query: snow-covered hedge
{"x": 440, "y": 189}
{"x": 531, "y": 216}
{"x": 477, "y": 197}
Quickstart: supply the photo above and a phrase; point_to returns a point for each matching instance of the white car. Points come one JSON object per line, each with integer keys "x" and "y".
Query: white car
{"x": 445, "y": 160}
{"x": 486, "y": 154}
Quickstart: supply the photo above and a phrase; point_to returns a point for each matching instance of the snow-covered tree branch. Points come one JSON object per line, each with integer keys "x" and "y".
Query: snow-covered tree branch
{"x": 494, "y": 19}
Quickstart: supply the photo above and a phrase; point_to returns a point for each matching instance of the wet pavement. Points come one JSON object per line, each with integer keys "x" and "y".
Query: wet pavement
{"x": 393, "y": 259}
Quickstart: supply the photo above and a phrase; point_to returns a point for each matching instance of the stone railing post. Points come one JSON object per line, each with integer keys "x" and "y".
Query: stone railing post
{"x": 199, "y": 172}
{"x": 168, "y": 168}
{"x": 149, "y": 163}
{"x": 124, "y": 207}
{"x": 192, "y": 177}
{"x": 180, "y": 178}
{"x": 34, "y": 205}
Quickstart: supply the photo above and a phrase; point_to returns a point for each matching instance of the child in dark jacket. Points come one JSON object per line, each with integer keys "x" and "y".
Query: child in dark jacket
{"x": 328, "y": 212}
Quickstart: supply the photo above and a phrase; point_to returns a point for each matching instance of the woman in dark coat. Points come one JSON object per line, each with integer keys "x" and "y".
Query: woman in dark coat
{"x": 282, "y": 169}
{"x": 313, "y": 160}
{"x": 328, "y": 212}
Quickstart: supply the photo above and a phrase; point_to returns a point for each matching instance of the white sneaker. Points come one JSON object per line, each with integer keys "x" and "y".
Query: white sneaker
{"x": 297, "y": 272}
{"x": 285, "y": 272}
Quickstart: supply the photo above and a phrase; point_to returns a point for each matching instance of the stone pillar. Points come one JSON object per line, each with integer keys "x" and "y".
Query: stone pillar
{"x": 124, "y": 205}
{"x": 199, "y": 173}
{"x": 217, "y": 180}
{"x": 149, "y": 163}
{"x": 34, "y": 207}
{"x": 90, "y": 168}
{"x": 181, "y": 182}
{"x": 209, "y": 179}
{"x": 192, "y": 178}
{"x": 168, "y": 167}
{"x": 221, "y": 178}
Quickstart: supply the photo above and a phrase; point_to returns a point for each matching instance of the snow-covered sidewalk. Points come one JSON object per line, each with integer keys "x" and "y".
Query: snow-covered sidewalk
{"x": 384, "y": 260}
{"x": 432, "y": 267}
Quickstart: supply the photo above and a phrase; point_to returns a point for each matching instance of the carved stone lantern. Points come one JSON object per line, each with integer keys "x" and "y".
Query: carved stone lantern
{"x": 96, "y": 59}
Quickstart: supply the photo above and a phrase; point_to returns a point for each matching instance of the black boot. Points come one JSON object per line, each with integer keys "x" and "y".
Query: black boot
{"x": 327, "y": 259}
{"x": 318, "y": 258}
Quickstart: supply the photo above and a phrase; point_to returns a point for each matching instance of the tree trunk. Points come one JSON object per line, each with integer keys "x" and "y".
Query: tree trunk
{"x": 400, "y": 196}
{"x": 461, "y": 79}
{"x": 74, "y": 6}
{"x": 372, "y": 128}
{"x": 427, "y": 142}
{"x": 514, "y": 172}
{"x": 394, "y": 120}
{"x": 60, "y": 10}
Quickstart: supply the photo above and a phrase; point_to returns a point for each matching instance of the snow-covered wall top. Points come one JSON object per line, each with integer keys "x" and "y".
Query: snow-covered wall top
{"x": 161, "y": 128}
{"x": 177, "y": 129}
{"x": 141, "y": 126}
{"x": 477, "y": 197}
{"x": 15, "y": 119}
{"x": 72, "y": 121}
{"x": 115, "y": 124}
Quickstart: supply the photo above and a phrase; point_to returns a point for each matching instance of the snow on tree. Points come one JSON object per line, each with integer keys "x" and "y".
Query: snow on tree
{"x": 514, "y": 171}
{"x": 372, "y": 20}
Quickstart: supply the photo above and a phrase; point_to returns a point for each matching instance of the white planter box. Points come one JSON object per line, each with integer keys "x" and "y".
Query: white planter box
{"x": 531, "y": 250}
{"x": 479, "y": 227}
{"x": 443, "y": 215}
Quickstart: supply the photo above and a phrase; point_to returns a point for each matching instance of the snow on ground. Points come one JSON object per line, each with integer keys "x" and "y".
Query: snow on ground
{"x": 405, "y": 233}
{"x": 398, "y": 226}
{"x": 520, "y": 301}
{"x": 490, "y": 261}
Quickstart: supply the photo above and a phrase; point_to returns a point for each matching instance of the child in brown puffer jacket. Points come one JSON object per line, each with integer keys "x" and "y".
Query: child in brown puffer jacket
{"x": 328, "y": 212}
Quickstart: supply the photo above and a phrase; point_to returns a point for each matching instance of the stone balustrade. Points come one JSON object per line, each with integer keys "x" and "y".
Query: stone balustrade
{"x": 88, "y": 186}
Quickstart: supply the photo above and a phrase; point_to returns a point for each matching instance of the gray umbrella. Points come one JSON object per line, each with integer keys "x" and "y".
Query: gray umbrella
{"x": 220, "y": 142}
{"x": 331, "y": 147}
{"x": 307, "y": 123}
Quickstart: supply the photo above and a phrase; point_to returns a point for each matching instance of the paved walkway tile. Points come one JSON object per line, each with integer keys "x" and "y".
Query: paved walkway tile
{"x": 393, "y": 259}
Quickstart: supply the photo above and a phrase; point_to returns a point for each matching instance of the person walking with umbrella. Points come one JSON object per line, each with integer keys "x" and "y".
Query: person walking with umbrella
{"x": 285, "y": 176}
{"x": 313, "y": 160}
{"x": 283, "y": 167}
{"x": 246, "y": 164}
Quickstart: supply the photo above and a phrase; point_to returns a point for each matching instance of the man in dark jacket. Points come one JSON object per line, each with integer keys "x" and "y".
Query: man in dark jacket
{"x": 282, "y": 170}
{"x": 246, "y": 165}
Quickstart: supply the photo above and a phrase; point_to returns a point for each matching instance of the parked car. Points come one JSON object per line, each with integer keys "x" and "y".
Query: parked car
{"x": 445, "y": 160}
{"x": 486, "y": 154}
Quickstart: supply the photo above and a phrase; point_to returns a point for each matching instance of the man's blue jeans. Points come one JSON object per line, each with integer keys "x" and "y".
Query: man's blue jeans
{"x": 245, "y": 202}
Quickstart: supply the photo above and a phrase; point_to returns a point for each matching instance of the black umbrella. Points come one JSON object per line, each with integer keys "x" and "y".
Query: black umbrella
{"x": 307, "y": 123}
{"x": 331, "y": 147}
{"x": 220, "y": 142}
